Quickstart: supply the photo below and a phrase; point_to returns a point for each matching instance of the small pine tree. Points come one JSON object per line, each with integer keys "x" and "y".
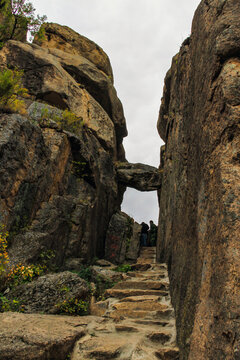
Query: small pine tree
{"x": 24, "y": 12}
{"x": 18, "y": 16}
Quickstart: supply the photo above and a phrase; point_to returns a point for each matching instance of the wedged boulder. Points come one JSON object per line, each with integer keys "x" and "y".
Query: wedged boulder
{"x": 139, "y": 176}
{"x": 38, "y": 337}
{"x": 47, "y": 293}
{"x": 65, "y": 39}
{"x": 122, "y": 240}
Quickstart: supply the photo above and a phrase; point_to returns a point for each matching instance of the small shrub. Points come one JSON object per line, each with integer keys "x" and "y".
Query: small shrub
{"x": 4, "y": 258}
{"x": 85, "y": 273}
{"x": 47, "y": 260}
{"x": 67, "y": 119}
{"x": 70, "y": 122}
{"x": 123, "y": 268}
{"x": 64, "y": 289}
{"x": 73, "y": 306}
{"x": 102, "y": 284}
{"x": 10, "y": 89}
{"x": 10, "y": 305}
{"x": 24, "y": 273}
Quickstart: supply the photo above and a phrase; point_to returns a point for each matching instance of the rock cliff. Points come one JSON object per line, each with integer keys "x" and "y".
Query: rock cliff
{"x": 58, "y": 181}
{"x": 199, "y": 222}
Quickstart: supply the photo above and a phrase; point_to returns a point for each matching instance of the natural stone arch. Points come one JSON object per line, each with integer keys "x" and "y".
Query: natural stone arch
{"x": 139, "y": 176}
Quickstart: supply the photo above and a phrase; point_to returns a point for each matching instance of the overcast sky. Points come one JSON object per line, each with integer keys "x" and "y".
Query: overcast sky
{"x": 140, "y": 37}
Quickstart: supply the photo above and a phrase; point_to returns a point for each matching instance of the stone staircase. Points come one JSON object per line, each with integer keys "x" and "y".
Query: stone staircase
{"x": 136, "y": 321}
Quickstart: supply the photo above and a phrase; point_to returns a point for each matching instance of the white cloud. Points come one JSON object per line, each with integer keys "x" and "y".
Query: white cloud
{"x": 140, "y": 37}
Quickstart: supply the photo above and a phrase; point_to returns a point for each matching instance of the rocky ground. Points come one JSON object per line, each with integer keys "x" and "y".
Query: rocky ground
{"x": 135, "y": 321}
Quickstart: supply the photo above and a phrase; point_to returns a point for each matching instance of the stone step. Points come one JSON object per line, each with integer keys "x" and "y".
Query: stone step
{"x": 152, "y": 323}
{"x": 143, "y": 305}
{"x": 141, "y": 267}
{"x": 147, "y": 259}
{"x": 145, "y": 285}
{"x": 141, "y": 298}
{"x": 150, "y": 275}
{"x": 126, "y": 328}
{"x": 113, "y": 346}
{"x": 159, "y": 267}
{"x": 146, "y": 255}
{"x": 168, "y": 353}
{"x": 139, "y": 314}
{"x": 136, "y": 321}
{"x": 160, "y": 337}
{"x": 122, "y": 293}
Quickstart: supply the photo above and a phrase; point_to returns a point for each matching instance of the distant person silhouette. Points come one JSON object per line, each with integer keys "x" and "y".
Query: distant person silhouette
{"x": 144, "y": 234}
{"x": 153, "y": 234}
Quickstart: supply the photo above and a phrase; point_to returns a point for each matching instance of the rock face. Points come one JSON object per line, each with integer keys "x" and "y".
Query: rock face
{"x": 67, "y": 40}
{"x": 199, "y": 221}
{"x": 58, "y": 183}
{"x": 139, "y": 176}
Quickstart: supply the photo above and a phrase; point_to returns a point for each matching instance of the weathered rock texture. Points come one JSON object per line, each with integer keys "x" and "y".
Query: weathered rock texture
{"x": 59, "y": 188}
{"x": 29, "y": 337}
{"x": 139, "y": 176}
{"x": 199, "y": 221}
{"x": 47, "y": 293}
{"x": 67, "y": 40}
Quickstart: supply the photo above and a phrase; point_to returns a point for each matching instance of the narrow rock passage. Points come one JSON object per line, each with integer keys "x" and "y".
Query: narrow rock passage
{"x": 137, "y": 320}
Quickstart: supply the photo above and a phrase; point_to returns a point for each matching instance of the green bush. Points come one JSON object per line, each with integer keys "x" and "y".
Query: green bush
{"x": 10, "y": 89}
{"x": 24, "y": 273}
{"x": 46, "y": 259}
{"x": 10, "y": 305}
{"x": 102, "y": 284}
{"x": 123, "y": 268}
{"x": 84, "y": 273}
{"x": 73, "y": 306}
